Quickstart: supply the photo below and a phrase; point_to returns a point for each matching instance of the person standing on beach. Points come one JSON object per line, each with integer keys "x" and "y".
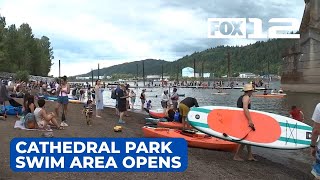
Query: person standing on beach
{"x": 165, "y": 100}
{"x": 143, "y": 98}
{"x": 314, "y": 145}
{"x": 99, "y": 98}
{"x": 174, "y": 99}
{"x": 63, "y": 100}
{"x": 132, "y": 98}
{"x": 245, "y": 103}
{"x": 122, "y": 106}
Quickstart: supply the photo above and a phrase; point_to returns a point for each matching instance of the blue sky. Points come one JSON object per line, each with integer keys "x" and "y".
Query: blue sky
{"x": 84, "y": 33}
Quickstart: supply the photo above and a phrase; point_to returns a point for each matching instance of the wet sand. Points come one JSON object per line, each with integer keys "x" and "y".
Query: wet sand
{"x": 202, "y": 164}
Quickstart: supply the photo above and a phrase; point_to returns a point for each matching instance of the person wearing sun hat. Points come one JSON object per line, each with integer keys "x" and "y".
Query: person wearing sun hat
{"x": 245, "y": 103}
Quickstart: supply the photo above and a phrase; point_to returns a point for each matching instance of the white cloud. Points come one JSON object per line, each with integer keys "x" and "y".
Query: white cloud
{"x": 85, "y": 32}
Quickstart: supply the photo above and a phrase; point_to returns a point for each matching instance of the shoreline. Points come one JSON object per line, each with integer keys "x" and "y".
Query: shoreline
{"x": 202, "y": 163}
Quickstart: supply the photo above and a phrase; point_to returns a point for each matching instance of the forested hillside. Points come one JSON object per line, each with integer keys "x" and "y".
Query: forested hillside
{"x": 251, "y": 58}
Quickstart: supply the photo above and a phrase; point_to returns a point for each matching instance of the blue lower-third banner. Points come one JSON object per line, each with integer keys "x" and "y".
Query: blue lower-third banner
{"x": 98, "y": 155}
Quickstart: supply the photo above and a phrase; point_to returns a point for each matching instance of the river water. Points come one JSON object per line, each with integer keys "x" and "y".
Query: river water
{"x": 281, "y": 106}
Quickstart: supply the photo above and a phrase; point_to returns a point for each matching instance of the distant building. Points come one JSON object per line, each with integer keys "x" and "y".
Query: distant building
{"x": 247, "y": 75}
{"x": 88, "y": 77}
{"x": 187, "y": 72}
{"x": 153, "y": 76}
{"x": 82, "y": 78}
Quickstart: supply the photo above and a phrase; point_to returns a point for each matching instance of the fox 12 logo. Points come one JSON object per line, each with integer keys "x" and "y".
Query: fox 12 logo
{"x": 236, "y": 28}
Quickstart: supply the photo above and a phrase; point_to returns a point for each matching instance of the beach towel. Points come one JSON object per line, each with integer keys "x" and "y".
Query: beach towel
{"x": 20, "y": 125}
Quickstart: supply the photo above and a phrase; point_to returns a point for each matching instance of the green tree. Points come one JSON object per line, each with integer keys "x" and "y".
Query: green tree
{"x": 21, "y": 51}
{"x": 3, "y": 60}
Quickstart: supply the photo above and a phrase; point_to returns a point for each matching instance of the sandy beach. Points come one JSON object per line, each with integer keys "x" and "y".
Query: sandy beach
{"x": 202, "y": 164}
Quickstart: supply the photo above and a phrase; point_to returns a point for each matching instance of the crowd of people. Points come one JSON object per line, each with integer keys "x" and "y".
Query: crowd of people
{"x": 35, "y": 114}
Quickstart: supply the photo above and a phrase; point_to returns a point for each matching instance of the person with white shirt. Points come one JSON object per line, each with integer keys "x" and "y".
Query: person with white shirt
{"x": 132, "y": 98}
{"x": 165, "y": 100}
{"x": 43, "y": 118}
{"x": 315, "y": 146}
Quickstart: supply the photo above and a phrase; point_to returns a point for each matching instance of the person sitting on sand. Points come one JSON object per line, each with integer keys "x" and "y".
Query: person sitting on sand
{"x": 88, "y": 111}
{"x": 184, "y": 108}
{"x": 245, "y": 103}
{"x": 296, "y": 114}
{"x": 44, "y": 119}
{"x": 29, "y": 120}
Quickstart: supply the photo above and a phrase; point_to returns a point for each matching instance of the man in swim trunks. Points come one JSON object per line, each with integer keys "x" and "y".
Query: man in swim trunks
{"x": 184, "y": 108}
{"x": 245, "y": 103}
{"x": 315, "y": 149}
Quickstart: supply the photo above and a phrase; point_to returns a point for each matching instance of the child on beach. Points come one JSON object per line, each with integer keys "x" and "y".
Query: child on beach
{"x": 147, "y": 106}
{"x": 88, "y": 111}
{"x": 44, "y": 119}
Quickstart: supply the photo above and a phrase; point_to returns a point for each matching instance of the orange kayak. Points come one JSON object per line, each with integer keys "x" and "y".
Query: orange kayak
{"x": 173, "y": 125}
{"x": 156, "y": 114}
{"x": 194, "y": 139}
{"x": 269, "y": 95}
